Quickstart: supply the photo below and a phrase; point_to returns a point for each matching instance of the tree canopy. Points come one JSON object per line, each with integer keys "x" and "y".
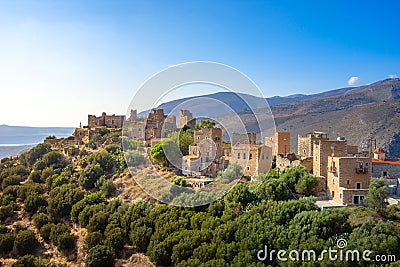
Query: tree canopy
{"x": 59, "y": 194}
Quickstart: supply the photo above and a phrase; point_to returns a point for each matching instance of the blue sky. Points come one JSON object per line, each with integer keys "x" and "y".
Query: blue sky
{"x": 60, "y": 60}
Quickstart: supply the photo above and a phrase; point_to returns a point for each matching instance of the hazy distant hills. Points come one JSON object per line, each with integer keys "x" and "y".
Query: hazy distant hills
{"x": 358, "y": 113}
{"x": 16, "y": 138}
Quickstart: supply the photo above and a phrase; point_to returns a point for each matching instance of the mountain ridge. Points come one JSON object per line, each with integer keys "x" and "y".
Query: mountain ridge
{"x": 272, "y": 101}
{"x": 359, "y": 113}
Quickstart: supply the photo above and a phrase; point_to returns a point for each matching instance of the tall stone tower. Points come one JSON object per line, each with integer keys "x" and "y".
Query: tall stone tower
{"x": 322, "y": 149}
{"x": 133, "y": 115}
{"x": 186, "y": 118}
{"x": 305, "y": 147}
{"x": 280, "y": 143}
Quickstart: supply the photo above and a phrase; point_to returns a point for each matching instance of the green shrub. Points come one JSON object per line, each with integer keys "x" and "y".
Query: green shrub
{"x": 25, "y": 243}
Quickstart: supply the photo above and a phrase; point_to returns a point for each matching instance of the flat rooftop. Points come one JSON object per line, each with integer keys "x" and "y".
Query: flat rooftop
{"x": 326, "y": 204}
{"x": 191, "y": 180}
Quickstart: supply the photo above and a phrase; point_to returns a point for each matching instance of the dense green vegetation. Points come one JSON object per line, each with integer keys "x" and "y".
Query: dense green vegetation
{"x": 55, "y": 191}
{"x": 176, "y": 144}
{"x": 205, "y": 124}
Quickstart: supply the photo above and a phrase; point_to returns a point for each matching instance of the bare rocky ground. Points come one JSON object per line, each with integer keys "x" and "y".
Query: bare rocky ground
{"x": 136, "y": 259}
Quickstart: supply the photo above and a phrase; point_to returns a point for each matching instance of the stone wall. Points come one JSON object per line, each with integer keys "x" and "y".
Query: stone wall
{"x": 348, "y": 196}
{"x": 169, "y": 124}
{"x": 247, "y": 138}
{"x": 109, "y": 121}
{"x": 114, "y": 121}
{"x": 213, "y": 134}
{"x": 354, "y": 170}
{"x": 385, "y": 170}
{"x": 186, "y": 118}
{"x": 322, "y": 149}
{"x": 287, "y": 163}
{"x": 206, "y": 154}
{"x": 348, "y": 176}
{"x": 280, "y": 143}
{"x": 137, "y": 131}
{"x": 305, "y": 143}
{"x": 154, "y": 125}
{"x": 352, "y": 150}
{"x": 264, "y": 159}
{"x": 133, "y": 115}
{"x": 321, "y": 187}
{"x": 82, "y": 135}
{"x": 62, "y": 142}
{"x": 308, "y": 163}
{"x": 254, "y": 159}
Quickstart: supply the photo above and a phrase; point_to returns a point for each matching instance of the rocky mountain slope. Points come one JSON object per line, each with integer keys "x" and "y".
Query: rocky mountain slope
{"x": 358, "y": 113}
{"x": 366, "y": 112}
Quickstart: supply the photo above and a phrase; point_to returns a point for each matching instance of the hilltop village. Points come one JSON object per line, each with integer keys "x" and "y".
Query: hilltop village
{"x": 344, "y": 171}
{"x": 77, "y": 201}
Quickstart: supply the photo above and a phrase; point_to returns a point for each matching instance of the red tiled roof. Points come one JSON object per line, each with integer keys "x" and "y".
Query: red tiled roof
{"x": 386, "y": 161}
{"x": 379, "y": 150}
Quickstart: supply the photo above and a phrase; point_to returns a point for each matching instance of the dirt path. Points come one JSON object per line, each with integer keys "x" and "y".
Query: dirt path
{"x": 80, "y": 234}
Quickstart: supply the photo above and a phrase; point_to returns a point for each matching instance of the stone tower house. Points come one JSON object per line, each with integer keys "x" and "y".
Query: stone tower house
{"x": 280, "y": 143}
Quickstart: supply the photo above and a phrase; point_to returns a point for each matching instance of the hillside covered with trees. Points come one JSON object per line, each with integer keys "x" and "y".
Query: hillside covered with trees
{"x": 66, "y": 207}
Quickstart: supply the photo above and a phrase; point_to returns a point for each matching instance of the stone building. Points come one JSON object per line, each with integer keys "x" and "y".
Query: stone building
{"x": 186, "y": 118}
{"x": 85, "y": 134}
{"x": 206, "y": 154}
{"x": 247, "y": 138}
{"x": 154, "y": 125}
{"x": 324, "y": 148}
{"x": 280, "y": 143}
{"x": 157, "y": 125}
{"x": 305, "y": 143}
{"x": 379, "y": 154}
{"x": 254, "y": 159}
{"x": 137, "y": 130}
{"x": 388, "y": 169}
{"x": 201, "y": 161}
{"x": 352, "y": 150}
{"x": 383, "y": 167}
{"x": 348, "y": 179}
{"x": 213, "y": 134}
{"x": 81, "y": 135}
{"x": 109, "y": 121}
{"x": 291, "y": 160}
{"x": 133, "y": 116}
{"x": 169, "y": 124}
